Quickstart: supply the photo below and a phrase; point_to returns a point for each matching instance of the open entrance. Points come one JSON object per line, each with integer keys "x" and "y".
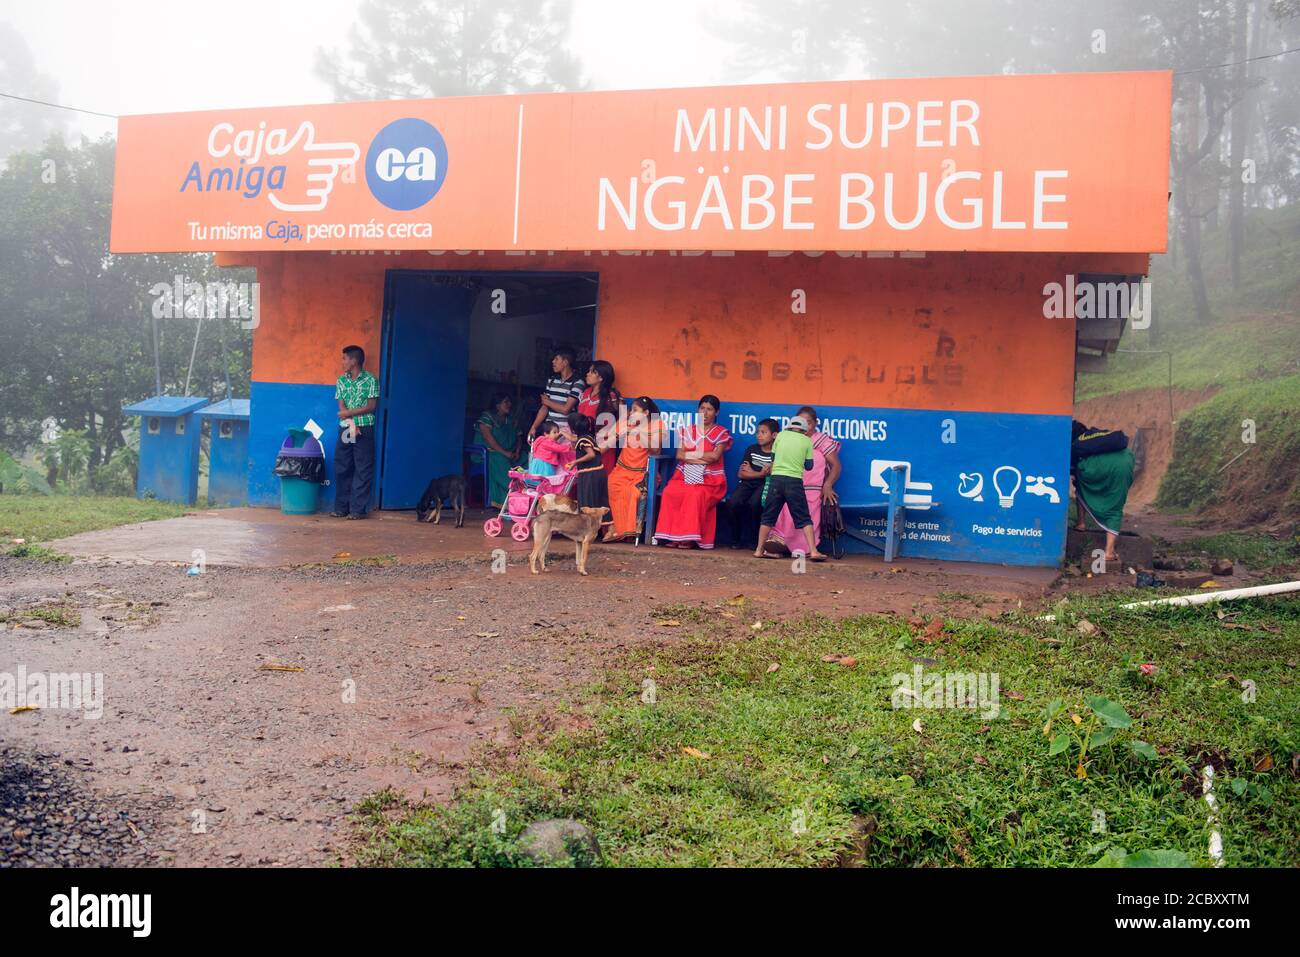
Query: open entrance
{"x": 453, "y": 340}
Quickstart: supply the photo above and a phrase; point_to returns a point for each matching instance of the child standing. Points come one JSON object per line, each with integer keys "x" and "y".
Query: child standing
{"x": 593, "y": 481}
{"x": 551, "y": 453}
{"x": 744, "y": 506}
{"x": 792, "y": 455}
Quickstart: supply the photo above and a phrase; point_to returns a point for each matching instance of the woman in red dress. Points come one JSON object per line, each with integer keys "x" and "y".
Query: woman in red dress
{"x": 688, "y": 509}
{"x": 601, "y": 401}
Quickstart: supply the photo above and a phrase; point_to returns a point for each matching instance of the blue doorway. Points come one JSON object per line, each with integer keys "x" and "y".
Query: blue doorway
{"x": 452, "y": 339}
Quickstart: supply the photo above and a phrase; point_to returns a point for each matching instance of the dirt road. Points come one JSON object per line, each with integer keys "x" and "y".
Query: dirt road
{"x": 405, "y": 670}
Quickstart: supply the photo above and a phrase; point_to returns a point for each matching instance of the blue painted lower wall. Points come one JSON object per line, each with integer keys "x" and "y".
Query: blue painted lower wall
{"x": 1001, "y": 481}
{"x": 277, "y": 407}
{"x": 1027, "y": 456}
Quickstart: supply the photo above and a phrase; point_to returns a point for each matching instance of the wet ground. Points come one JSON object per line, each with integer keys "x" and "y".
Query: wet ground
{"x": 264, "y": 538}
{"x": 246, "y": 709}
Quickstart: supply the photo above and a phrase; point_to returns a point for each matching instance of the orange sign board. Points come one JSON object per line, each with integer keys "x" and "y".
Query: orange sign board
{"x": 1060, "y": 163}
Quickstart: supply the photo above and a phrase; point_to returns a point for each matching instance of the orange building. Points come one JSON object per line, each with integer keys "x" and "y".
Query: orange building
{"x": 886, "y": 251}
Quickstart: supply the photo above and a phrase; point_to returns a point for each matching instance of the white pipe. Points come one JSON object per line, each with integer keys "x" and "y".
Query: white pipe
{"x": 1216, "y": 839}
{"x": 1255, "y": 591}
{"x": 1201, "y": 598}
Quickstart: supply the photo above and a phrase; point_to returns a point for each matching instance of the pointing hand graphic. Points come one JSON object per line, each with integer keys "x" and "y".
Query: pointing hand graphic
{"x": 324, "y": 160}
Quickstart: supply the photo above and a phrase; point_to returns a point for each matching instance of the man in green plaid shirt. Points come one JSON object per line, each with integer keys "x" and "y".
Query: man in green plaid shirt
{"x": 357, "y": 392}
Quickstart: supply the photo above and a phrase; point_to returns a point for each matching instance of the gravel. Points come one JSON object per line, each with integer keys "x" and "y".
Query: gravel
{"x": 49, "y": 817}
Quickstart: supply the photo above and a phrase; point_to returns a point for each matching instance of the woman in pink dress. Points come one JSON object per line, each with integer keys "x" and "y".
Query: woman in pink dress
{"x": 688, "y": 508}
{"x": 819, "y": 486}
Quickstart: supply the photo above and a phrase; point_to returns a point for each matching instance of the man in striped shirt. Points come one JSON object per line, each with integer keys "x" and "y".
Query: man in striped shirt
{"x": 562, "y": 392}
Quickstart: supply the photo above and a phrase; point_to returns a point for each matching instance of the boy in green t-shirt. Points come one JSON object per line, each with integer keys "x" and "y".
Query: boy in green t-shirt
{"x": 792, "y": 456}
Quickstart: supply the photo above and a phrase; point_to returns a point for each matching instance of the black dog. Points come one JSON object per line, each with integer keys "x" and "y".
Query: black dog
{"x": 448, "y": 487}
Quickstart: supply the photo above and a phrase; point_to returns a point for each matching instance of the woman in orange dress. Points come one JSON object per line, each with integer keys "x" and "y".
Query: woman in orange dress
{"x": 688, "y": 510}
{"x": 639, "y": 438}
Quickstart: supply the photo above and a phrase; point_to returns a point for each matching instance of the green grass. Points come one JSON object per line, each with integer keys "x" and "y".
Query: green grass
{"x": 1255, "y": 333}
{"x": 1224, "y": 354}
{"x": 378, "y": 561}
{"x": 1210, "y": 435}
{"x": 36, "y": 553}
{"x": 1259, "y": 552}
{"x": 44, "y": 518}
{"x": 806, "y": 760}
{"x": 54, "y": 614}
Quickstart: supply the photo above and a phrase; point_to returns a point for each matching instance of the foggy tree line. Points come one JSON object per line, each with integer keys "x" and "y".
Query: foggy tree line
{"x": 76, "y": 321}
{"x": 1235, "y": 130}
{"x": 1235, "y": 139}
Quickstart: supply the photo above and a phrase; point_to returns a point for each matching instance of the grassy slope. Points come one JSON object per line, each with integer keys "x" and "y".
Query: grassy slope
{"x": 1251, "y": 353}
{"x": 1259, "y": 552}
{"x": 819, "y": 740}
{"x": 1229, "y": 353}
{"x": 1256, "y": 332}
{"x": 1202, "y": 471}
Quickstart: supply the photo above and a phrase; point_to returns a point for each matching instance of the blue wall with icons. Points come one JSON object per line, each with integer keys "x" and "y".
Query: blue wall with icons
{"x": 1001, "y": 481}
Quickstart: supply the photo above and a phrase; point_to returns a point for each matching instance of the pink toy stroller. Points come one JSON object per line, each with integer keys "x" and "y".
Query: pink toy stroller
{"x": 526, "y": 489}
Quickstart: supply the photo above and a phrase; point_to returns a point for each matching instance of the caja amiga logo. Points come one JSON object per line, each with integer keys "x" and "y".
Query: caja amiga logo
{"x": 406, "y": 164}
{"x": 249, "y": 160}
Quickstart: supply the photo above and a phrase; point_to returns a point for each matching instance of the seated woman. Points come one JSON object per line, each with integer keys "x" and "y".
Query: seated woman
{"x": 498, "y": 433}
{"x": 640, "y": 437}
{"x": 688, "y": 510}
{"x": 601, "y": 401}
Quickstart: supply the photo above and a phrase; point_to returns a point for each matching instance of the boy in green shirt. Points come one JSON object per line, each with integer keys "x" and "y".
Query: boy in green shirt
{"x": 792, "y": 456}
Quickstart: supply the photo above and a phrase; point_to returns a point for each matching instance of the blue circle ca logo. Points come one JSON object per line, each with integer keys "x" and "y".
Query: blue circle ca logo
{"x": 406, "y": 164}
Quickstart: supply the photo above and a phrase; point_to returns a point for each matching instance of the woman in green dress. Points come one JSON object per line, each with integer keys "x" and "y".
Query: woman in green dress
{"x": 498, "y": 433}
{"x": 1102, "y": 465}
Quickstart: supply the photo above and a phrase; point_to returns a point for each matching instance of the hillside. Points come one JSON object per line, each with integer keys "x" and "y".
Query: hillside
{"x": 1244, "y": 367}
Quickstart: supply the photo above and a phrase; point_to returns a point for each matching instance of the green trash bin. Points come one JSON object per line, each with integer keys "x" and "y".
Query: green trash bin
{"x": 301, "y": 468}
{"x": 298, "y": 496}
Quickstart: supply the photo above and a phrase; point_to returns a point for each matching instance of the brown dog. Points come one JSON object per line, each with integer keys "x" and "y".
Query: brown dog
{"x": 550, "y": 502}
{"x": 582, "y": 528}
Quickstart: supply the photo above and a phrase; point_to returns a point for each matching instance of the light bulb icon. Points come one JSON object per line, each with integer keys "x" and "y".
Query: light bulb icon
{"x": 1006, "y": 482}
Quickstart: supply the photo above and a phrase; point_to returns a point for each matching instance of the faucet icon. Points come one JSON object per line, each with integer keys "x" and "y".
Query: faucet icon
{"x": 1042, "y": 485}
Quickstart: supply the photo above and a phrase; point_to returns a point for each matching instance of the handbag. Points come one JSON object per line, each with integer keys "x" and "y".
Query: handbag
{"x": 833, "y": 528}
{"x": 693, "y": 473}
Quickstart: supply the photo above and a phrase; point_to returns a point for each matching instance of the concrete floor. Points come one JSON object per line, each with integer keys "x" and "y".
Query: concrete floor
{"x": 266, "y": 538}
